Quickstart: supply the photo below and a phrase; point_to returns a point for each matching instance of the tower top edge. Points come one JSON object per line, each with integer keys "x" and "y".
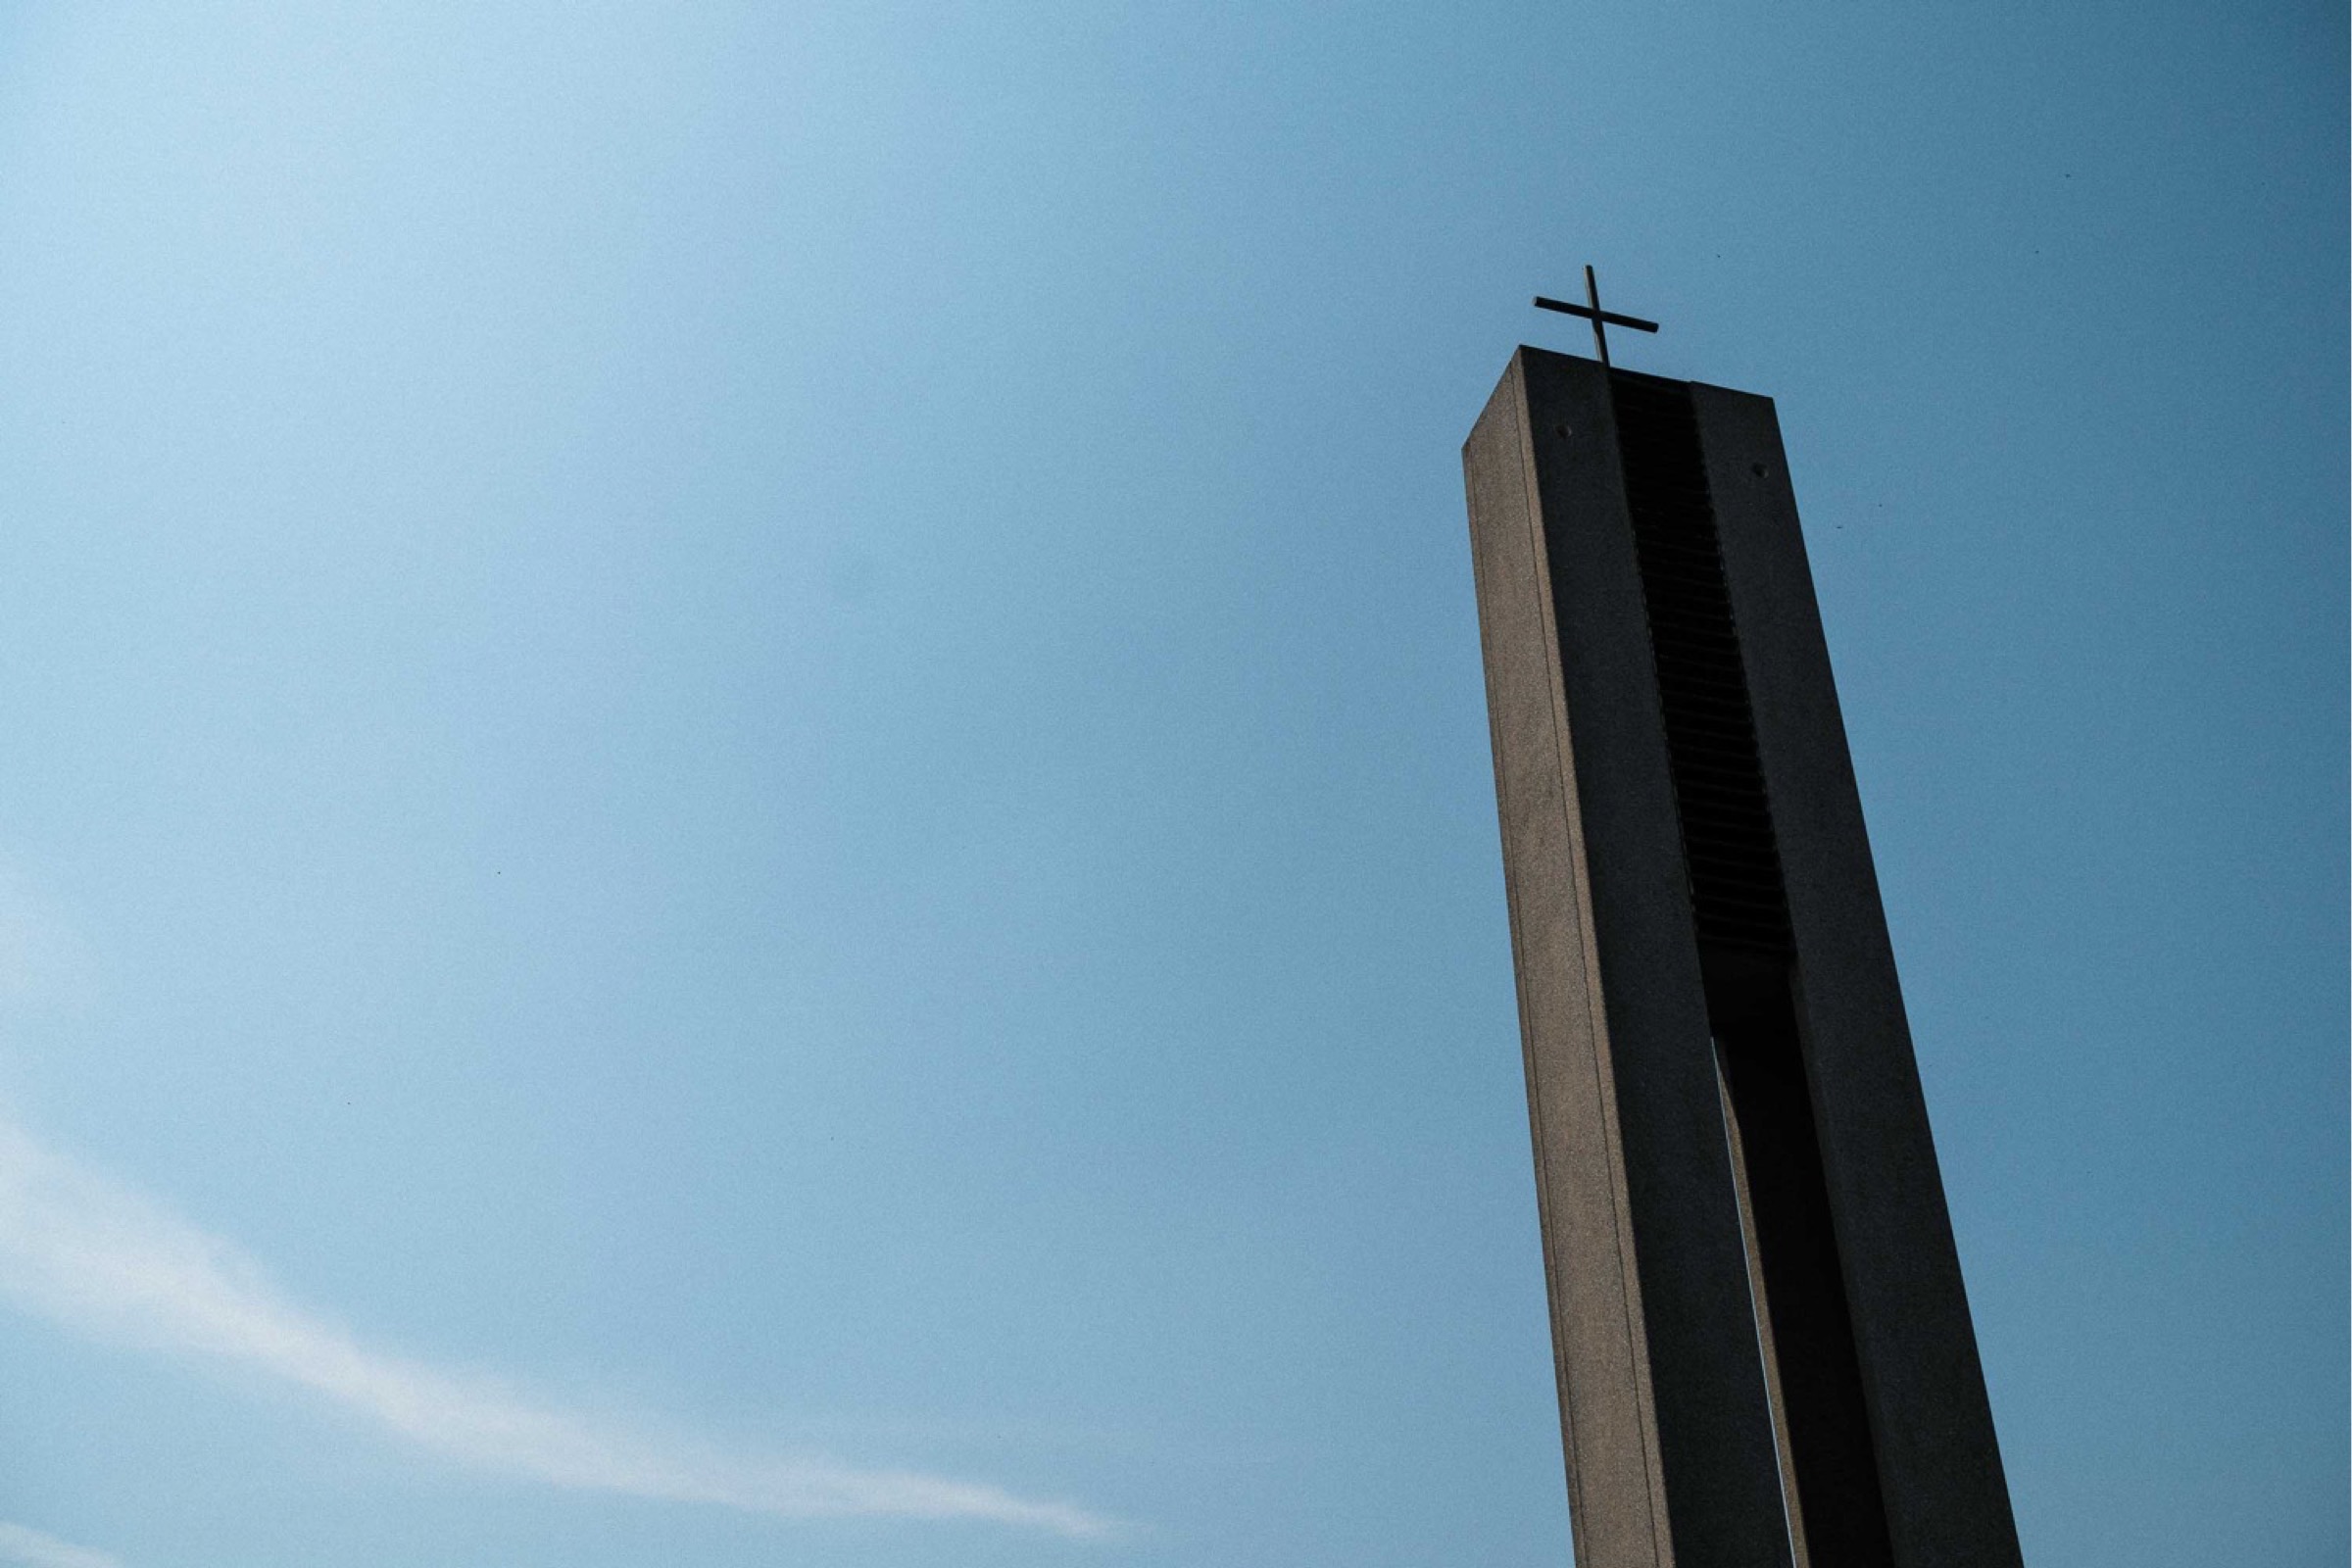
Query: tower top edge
{"x": 1557, "y": 362}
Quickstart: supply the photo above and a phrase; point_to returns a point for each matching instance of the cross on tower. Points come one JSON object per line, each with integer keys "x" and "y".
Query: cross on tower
{"x": 1596, "y": 315}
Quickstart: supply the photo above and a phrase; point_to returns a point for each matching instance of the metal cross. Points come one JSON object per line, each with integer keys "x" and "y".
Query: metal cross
{"x": 1596, "y": 315}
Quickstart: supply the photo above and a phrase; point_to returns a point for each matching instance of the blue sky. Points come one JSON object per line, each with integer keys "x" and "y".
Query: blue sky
{"x": 749, "y": 817}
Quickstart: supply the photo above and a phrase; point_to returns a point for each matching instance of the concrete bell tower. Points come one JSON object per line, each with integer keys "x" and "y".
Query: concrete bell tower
{"x": 1762, "y": 1340}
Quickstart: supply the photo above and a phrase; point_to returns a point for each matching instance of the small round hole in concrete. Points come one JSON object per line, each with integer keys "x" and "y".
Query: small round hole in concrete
{"x": 1756, "y": 468}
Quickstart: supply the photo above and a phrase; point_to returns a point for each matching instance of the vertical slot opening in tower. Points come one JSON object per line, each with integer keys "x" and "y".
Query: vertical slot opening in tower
{"x": 1830, "y": 1480}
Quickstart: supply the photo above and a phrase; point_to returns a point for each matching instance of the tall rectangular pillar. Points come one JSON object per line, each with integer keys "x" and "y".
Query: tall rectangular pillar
{"x": 1762, "y": 1342}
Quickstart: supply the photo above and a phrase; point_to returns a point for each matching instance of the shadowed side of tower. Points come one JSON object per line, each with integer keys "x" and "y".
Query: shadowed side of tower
{"x": 1762, "y": 1341}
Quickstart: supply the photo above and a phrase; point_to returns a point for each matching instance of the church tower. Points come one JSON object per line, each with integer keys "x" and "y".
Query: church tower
{"x": 1763, "y": 1345}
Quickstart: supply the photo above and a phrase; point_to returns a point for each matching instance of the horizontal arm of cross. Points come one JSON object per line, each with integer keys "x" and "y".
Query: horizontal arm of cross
{"x": 1609, "y": 317}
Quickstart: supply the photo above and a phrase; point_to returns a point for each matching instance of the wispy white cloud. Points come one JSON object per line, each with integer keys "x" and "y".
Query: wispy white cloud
{"x": 97, "y": 1258}
{"x": 29, "y": 1549}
